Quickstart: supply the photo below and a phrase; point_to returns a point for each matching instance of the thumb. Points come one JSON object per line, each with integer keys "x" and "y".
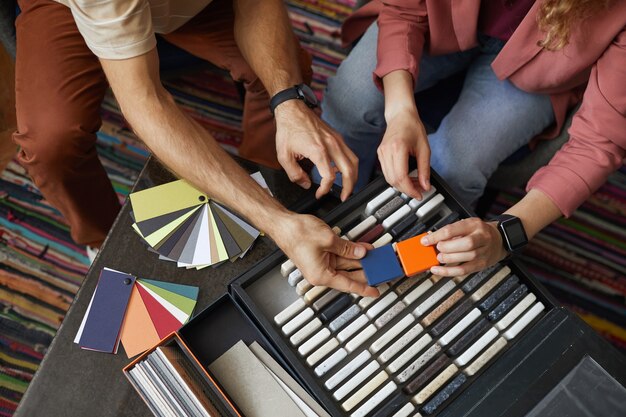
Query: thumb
{"x": 347, "y": 249}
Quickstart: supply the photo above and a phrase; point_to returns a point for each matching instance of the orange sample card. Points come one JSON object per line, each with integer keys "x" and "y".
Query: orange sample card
{"x": 414, "y": 256}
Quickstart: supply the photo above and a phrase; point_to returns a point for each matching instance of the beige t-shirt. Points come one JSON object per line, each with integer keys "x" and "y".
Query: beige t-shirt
{"x": 120, "y": 29}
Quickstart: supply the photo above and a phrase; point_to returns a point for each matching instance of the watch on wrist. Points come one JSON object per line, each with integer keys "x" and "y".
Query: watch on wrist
{"x": 297, "y": 92}
{"x": 512, "y": 231}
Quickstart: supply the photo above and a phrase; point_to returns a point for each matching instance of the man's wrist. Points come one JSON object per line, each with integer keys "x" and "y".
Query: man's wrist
{"x": 289, "y": 108}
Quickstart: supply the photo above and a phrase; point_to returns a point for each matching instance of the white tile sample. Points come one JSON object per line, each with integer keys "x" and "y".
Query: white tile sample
{"x": 287, "y": 267}
{"x": 396, "y": 216}
{"x": 485, "y": 357}
{"x": 469, "y": 354}
{"x": 351, "y": 384}
{"x": 378, "y": 201}
{"x": 375, "y": 400}
{"x": 361, "y": 228}
{"x": 290, "y": 311}
{"x": 459, "y": 327}
{"x": 381, "y": 305}
{"x": 312, "y": 294}
{"x": 383, "y": 240}
{"x": 298, "y": 321}
{"x": 435, "y": 384}
{"x": 417, "y": 292}
{"x": 352, "y": 328}
{"x": 303, "y": 286}
{"x": 516, "y": 312}
{"x": 401, "y": 343}
{"x": 303, "y": 334}
{"x": 294, "y": 277}
{"x": 405, "y": 411}
{"x": 366, "y": 301}
{"x": 433, "y": 299}
{"x": 330, "y": 362}
{"x": 364, "y": 391}
{"x": 322, "y": 351}
{"x": 348, "y": 369}
{"x": 410, "y": 353}
{"x": 429, "y": 208}
{"x": 315, "y": 340}
{"x": 491, "y": 283}
{"x": 524, "y": 321}
{"x": 426, "y": 195}
{"x": 391, "y": 334}
{"x": 360, "y": 338}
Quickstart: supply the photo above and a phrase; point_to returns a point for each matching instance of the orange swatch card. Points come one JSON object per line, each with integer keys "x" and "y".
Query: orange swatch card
{"x": 414, "y": 256}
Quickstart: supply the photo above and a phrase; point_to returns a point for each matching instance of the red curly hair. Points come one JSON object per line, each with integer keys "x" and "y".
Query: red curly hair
{"x": 557, "y": 18}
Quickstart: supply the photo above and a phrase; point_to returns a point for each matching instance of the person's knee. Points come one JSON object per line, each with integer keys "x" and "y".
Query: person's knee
{"x": 54, "y": 143}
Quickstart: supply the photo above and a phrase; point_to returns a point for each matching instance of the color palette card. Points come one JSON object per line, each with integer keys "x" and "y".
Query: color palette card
{"x": 137, "y": 312}
{"x": 185, "y": 226}
{"x": 155, "y": 310}
{"x": 100, "y": 328}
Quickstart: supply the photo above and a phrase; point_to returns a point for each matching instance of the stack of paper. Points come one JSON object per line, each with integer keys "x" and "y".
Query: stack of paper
{"x": 185, "y": 226}
{"x": 137, "y": 312}
{"x": 259, "y": 386}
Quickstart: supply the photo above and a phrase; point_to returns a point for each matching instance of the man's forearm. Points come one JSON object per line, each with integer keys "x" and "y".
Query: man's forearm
{"x": 185, "y": 147}
{"x": 266, "y": 40}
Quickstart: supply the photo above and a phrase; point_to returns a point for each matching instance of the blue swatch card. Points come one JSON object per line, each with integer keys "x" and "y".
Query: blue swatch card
{"x": 101, "y": 327}
{"x": 381, "y": 265}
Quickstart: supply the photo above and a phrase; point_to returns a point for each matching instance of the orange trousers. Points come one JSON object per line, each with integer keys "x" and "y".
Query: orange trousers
{"x": 60, "y": 86}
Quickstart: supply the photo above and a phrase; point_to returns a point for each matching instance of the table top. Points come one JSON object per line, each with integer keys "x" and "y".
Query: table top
{"x": 76, "y": 382}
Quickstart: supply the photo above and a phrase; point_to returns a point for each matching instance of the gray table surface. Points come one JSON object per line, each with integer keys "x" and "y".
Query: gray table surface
{"x": 76, "y": 382}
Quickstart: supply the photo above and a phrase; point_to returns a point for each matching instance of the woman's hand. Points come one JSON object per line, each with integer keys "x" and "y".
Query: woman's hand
{"x": 405, "y": 136}
{"x": 472, "y": 244}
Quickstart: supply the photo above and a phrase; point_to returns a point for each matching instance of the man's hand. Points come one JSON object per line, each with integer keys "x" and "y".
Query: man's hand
{"x": 322, "y": 256}
{"x": 300, "y": 133}
{"x": 472, "y": 243}
{"x": 405, "y": 136}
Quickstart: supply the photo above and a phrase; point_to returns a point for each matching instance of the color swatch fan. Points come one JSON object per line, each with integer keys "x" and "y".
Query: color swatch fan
{"x": 185, "y": 226}
{"x": 155, "y": 309}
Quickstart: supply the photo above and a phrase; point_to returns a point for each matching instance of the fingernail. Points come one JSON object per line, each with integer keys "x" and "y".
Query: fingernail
{"x": 359, "y": 251}
{"x": 427, "y": 184}
{"x": 440, "y": 258}
{"x": 306, "y": 184}
{"x": 436, "y": 270}
{"x": 425, "y": 241}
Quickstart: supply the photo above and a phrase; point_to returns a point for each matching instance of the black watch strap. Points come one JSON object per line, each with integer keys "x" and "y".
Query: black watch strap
{"x": 299, "y": 92}
{"x": 512, "y": 232}
{"x": 282, "y": 96}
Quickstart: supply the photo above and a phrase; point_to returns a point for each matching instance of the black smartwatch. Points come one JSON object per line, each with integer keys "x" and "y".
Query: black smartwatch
{"x": 512, "y": 231}
{"x": 297, "y": 92}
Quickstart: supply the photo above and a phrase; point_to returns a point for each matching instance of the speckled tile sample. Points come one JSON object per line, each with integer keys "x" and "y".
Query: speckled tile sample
{"x": 408, "y": 372}
{"x": 442, "y": 307}
{"x": 344, "y": 318}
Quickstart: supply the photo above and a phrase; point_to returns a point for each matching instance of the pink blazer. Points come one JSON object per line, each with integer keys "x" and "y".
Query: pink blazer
{"x": 592, "y": 67}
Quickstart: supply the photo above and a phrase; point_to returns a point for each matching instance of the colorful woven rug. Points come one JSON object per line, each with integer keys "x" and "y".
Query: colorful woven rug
{"x": 582, "y": 260}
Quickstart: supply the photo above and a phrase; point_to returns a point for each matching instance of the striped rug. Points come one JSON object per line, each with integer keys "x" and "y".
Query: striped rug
{"x": 582, "y": 260}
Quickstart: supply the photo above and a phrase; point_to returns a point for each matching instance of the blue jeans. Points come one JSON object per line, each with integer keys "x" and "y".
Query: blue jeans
{"x": 490, "y": 121}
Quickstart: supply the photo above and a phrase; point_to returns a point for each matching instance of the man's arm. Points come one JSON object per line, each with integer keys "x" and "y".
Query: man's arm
{"x": 267, "y": 42}
{"x": 191, "y": 152}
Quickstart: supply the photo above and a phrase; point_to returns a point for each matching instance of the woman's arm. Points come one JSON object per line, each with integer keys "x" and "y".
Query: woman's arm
{"x": 596, "y": 148}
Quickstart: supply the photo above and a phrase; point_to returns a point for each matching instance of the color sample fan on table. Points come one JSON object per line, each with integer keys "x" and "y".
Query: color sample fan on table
{"x": 184, "y": 225}
{"x": 137, "y": 312}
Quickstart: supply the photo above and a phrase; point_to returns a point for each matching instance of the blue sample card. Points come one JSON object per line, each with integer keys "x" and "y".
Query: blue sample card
{"x": 104, "y": 319}
{"x": 381, "y": 265}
